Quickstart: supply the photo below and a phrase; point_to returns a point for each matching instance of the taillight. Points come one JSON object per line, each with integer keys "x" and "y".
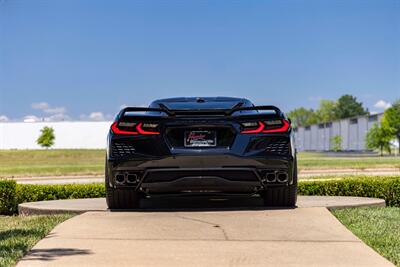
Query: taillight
{"x": 133, "y": 128}
{"x": 272, "y": 126}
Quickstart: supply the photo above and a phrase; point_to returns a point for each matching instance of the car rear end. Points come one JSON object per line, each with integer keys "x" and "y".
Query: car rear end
{"x": 201, "y": 146}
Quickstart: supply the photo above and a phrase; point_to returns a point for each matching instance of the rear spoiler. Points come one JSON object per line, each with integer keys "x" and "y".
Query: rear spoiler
{"x": 200, "y": 112}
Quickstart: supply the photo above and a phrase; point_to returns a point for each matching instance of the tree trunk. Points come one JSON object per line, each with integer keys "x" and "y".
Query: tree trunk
{"x": 398, "y": 142}
{"x": 381, "y": 147}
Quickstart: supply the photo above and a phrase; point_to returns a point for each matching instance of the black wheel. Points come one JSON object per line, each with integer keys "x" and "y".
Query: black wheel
{"x": 120, "y": 198}
{"x": 282, "y": 196}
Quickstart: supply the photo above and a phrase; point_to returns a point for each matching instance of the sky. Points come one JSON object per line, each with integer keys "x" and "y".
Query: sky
{"x": 84, "y": 60}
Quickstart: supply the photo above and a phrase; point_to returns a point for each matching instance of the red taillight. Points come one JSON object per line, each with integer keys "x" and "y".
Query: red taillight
{"x": 135, "y": 130}
{"x": 261, "y": 126}
{"x": 116, "y": 130}
{"x": 263, "y": 129}
{"x": 141, "y": 131}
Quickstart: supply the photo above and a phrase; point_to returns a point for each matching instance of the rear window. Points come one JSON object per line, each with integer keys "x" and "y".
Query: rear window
{"x": 201, "y": 105}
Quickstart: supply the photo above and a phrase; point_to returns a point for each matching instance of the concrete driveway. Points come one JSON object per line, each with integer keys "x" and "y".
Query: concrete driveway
{"x": 277, "y": 237}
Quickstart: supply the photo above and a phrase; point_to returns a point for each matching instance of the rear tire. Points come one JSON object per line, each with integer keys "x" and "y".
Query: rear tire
{"x": 120, "y": 198}
{"x": 282, "y": 196}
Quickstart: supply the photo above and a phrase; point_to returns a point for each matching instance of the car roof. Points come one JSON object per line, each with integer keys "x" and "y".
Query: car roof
{"x": 219, "y": 102}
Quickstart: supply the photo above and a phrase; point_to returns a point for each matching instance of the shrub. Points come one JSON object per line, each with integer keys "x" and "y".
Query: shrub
{"x": 387, "y": 188}
{"x": 47, "y": 137}
{"x": 7, "y": 197}
{"x": 12, "y": 194}
{"x": 336, "y": 143}
{"x": 31, "y": 193}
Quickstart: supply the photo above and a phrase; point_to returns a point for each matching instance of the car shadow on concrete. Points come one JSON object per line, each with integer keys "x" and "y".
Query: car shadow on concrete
{"x": 202, "y": 203}
{"x": 54, "y": 253}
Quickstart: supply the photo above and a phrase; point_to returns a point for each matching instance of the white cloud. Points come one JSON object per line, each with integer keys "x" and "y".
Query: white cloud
{"x": 58, "y": 117}
{"x": 96, "y": 116}
{"x": 40, "y": 105}
{"x": 4, "y": 118}
{"x": 46, "y": 108}
{"x": 382, "y": 104}
{"x": 55, "y": 110}
{"x": 31, "y": 118}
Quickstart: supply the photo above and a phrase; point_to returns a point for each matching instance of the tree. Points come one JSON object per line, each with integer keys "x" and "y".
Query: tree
{"x": 347, "y": 106}
{"x": 47, "y": 137}
{"x": 378, "y": 137}
{"x": 302, "y": 117}
{"x": 326, "y": 111}
{"x": 336, "y": 142}
{"x": 391, "y": 120}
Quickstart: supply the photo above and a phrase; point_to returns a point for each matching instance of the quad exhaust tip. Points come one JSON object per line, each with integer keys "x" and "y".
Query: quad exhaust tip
{"x": 132, "y": 178}
{"x": 126, "y": 178}
{"x": 270, "y": 177}
{"x": 276, "y": 176}
{"x": 282, "y": 177}
{"x": 119, "y": 178}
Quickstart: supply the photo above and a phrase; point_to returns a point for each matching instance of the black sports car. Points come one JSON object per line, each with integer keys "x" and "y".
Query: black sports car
{"x": 204, "y": 145}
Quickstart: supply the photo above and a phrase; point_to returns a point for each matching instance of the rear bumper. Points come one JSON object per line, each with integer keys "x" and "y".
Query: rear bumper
{"x": 201, "y": 173}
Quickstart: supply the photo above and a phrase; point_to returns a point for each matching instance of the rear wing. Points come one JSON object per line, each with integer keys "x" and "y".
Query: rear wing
{"x": 165, "y": 113}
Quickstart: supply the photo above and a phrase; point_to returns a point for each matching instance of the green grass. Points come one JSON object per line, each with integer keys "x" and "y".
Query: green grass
{"x": 51, "y": 162}
{"x": 307, "y": 160}
{"x": 377, "y": 227}
{"x": 91, "y": 162}
{"x": 19, "y": 234}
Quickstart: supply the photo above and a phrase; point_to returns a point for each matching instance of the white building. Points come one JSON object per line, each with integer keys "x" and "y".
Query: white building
{"x": 317, "y": 137}
{"x": 69, "y": 134}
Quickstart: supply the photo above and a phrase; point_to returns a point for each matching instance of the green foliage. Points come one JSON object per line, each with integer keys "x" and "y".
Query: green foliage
{"x": 336, "y": 143}
{"x": 302, "y": 117}
{"x": 30, "y": 193}
{"x": 378, "y": 227}
{"x": 47, "y": 137}
{"x": 12, "y": 194}
{"x": 378, "y": 137}
{"x": 326, "y": 111}
{"x": 18, "y": 234}
{"x": 347, "y": 106}
{"x": 7, "y": 197}
{"x": 387, "y": 188}
{"x": 391, "y": 120}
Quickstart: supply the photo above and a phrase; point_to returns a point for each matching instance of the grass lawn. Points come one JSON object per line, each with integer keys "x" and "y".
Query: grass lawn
{"x": 91, "y": 162}
{"x": 308, "y": 160}
{"x": 377, "y": 227}
{"x": 19, "y": 234}
{"x": 51, "y": 162}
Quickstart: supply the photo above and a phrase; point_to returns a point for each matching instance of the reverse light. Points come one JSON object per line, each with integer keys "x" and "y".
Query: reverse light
{"x": 276, "y": 126}
{"x": 131, "y": 128}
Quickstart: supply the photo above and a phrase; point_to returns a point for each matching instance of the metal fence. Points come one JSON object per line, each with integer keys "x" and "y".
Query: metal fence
{"x": 318, "y": 137}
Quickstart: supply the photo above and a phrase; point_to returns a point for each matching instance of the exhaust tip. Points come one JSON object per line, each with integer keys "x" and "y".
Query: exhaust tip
{"x": 270, "y": 177}
{"x": 119, "y": 178}
{"x": 132, "y": 178}
{"x": 282, "y": 177}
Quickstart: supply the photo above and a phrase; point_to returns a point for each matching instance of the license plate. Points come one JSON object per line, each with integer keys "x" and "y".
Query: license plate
{"x": 200, "y": 139}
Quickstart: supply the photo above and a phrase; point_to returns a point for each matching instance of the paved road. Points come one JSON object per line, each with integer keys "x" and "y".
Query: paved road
{"x": 280, "y": 237}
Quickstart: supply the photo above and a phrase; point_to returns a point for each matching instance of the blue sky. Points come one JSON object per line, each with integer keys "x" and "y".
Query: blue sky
{"x": 71, "y": 59}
